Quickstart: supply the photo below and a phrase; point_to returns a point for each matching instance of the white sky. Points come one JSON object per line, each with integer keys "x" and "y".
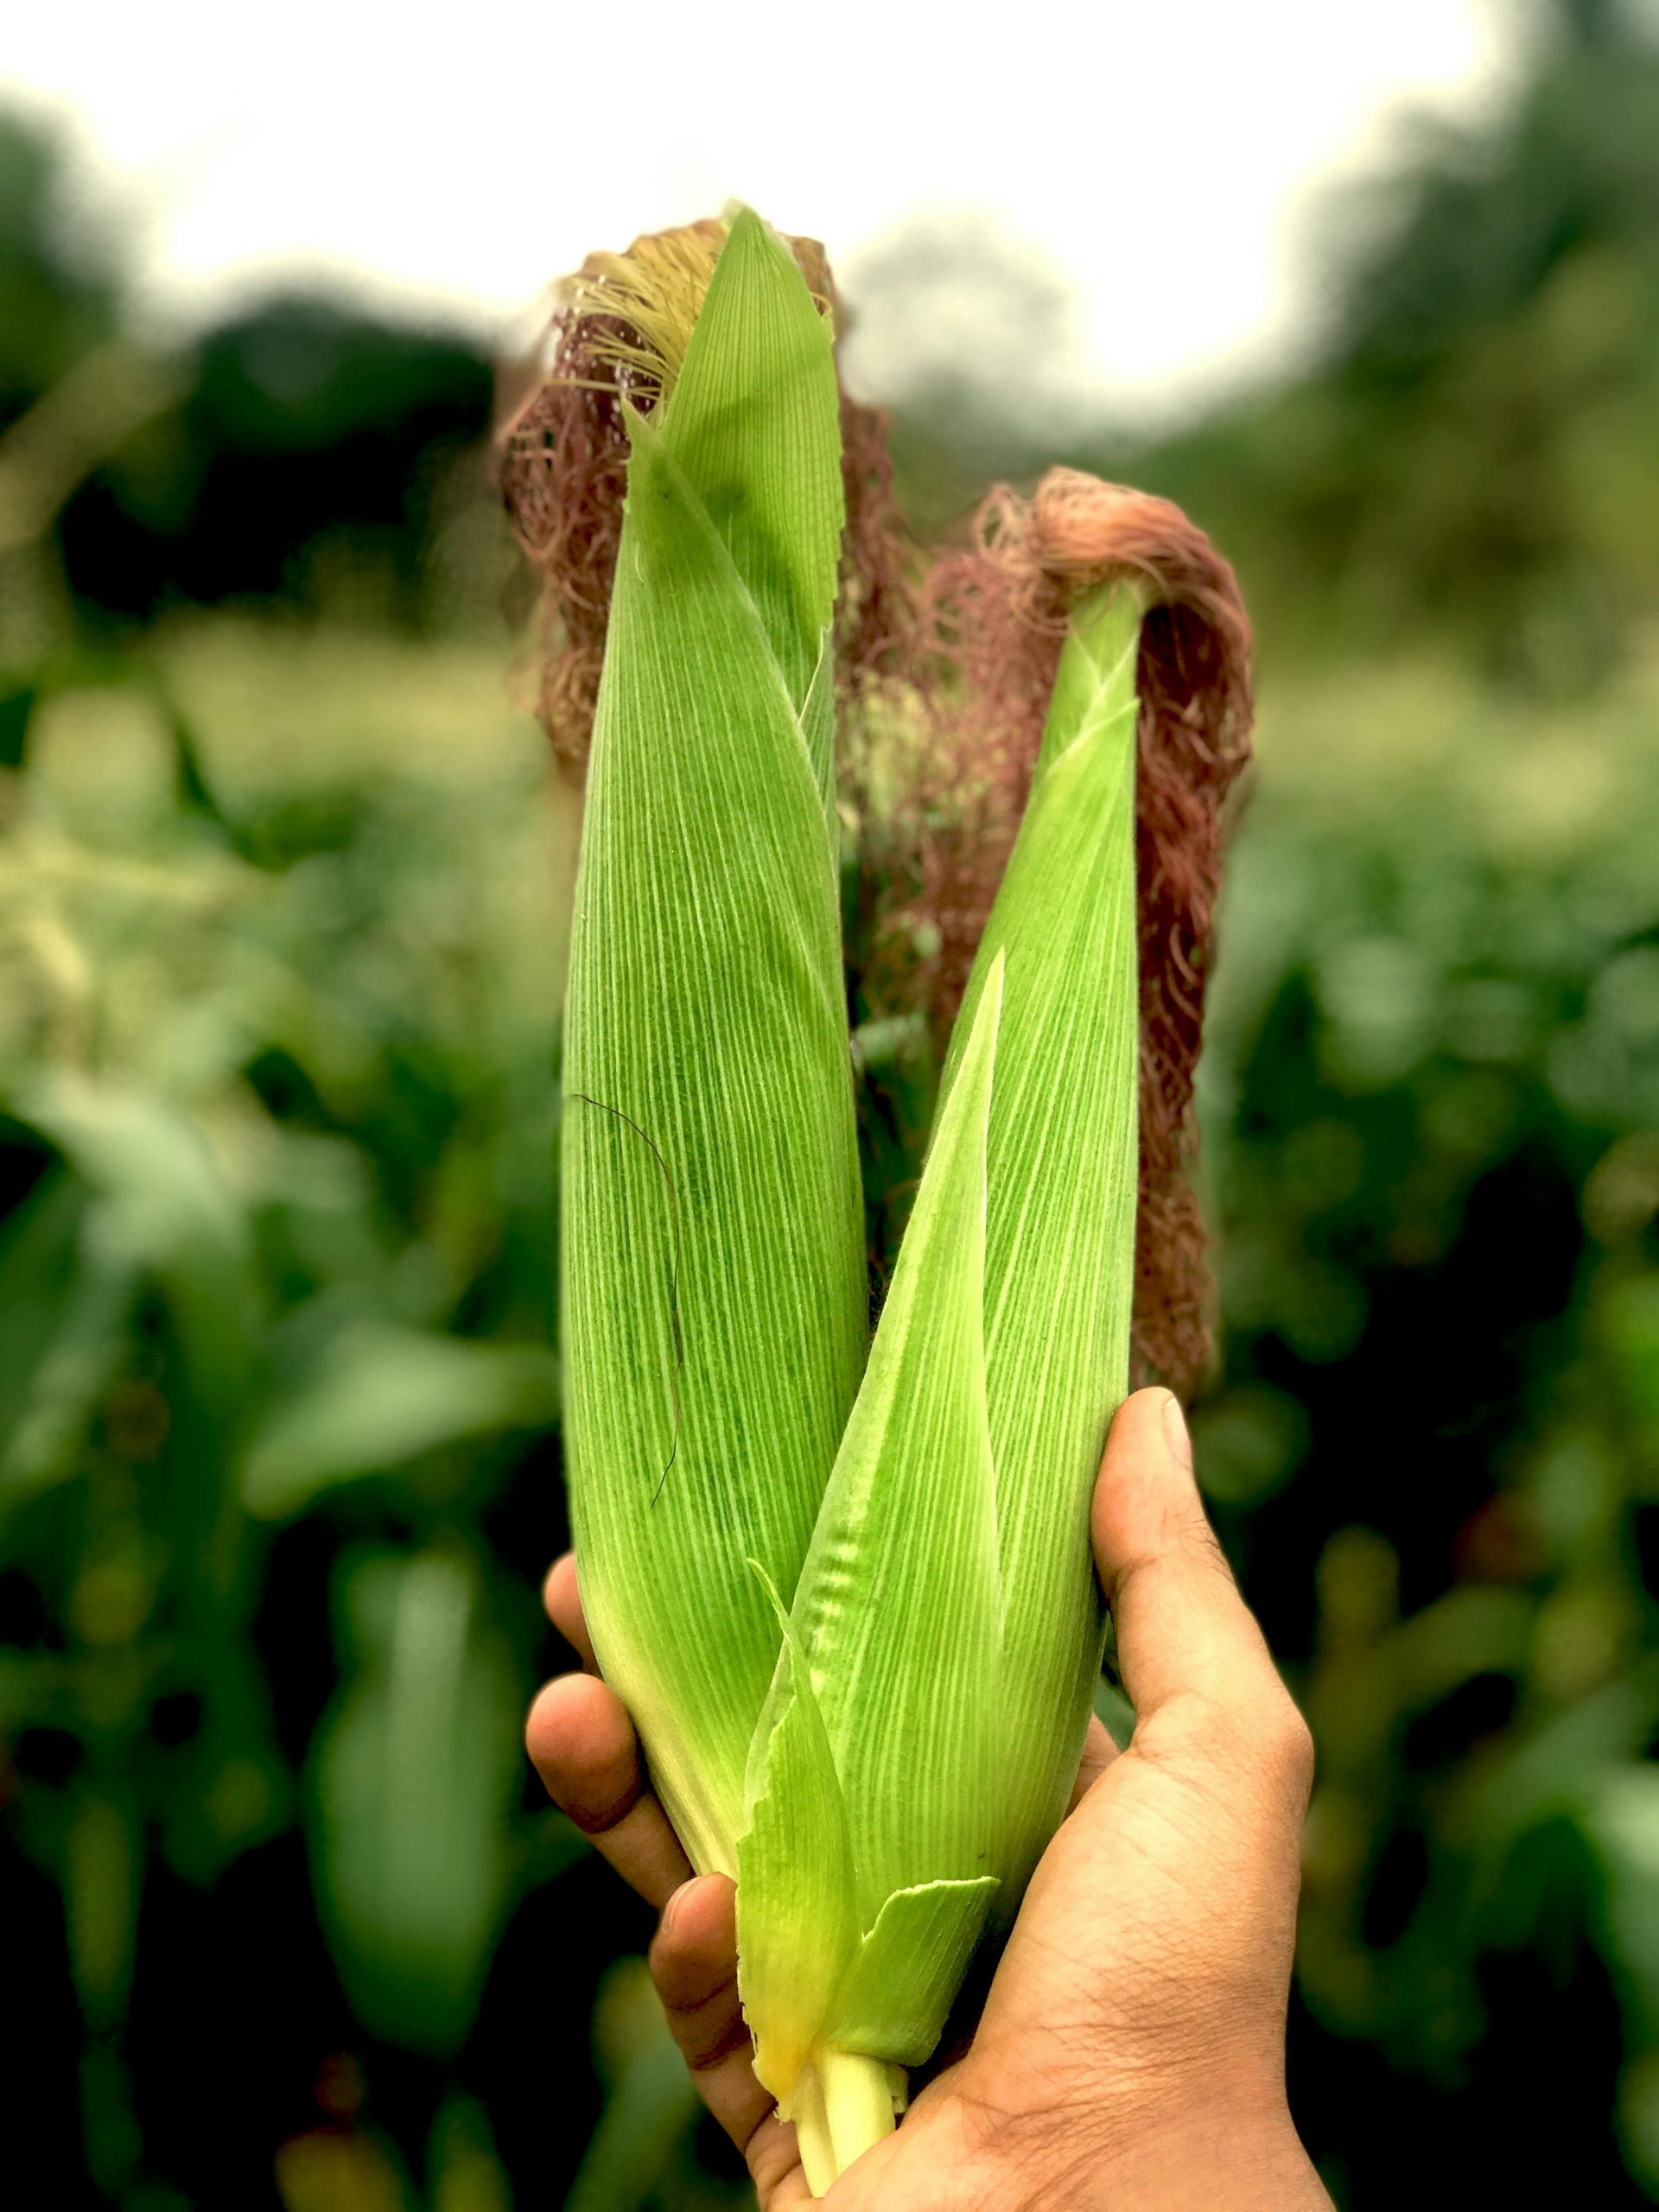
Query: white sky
{"x": 1158, "y": 155}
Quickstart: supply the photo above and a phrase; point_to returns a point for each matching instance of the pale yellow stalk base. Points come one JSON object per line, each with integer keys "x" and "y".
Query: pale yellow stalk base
{"x": 843, "y": 2104}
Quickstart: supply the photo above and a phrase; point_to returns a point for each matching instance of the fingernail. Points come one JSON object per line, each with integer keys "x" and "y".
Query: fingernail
{"x": 1175, "y": 1433}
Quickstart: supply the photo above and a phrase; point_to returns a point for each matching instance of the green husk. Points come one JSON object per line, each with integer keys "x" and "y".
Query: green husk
{"x": 875, "y": 1764}
{"x": 712, "y": 1277}
{"x": 1062, "y": 1177}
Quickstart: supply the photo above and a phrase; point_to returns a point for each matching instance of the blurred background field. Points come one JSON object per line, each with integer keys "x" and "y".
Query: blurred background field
{"x": 283, "y": 894}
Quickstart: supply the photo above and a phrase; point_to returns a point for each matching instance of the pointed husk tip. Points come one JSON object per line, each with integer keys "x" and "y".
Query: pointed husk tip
{"x": 995, "y": 612}
{"x": 618, "y": 334}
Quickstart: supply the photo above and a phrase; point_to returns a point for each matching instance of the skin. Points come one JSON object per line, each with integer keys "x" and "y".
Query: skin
{"x": 1130, "y": 2055}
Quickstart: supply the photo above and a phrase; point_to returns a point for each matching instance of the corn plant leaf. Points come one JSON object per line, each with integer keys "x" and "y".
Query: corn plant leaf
{"x": 103, "y": 1864}
{"x": 167, "y": 1210}
{"x": 66, "y": 1293}
{"x": 379, "y": 1396}
{"x": 650, "y": 2111}
{"x": 714, "y": 1293}
{"x": 893, "y": 1998}
{"x": 1062, "y": 1172}
{"x": 899, "y": 1605}
{"x": 412, "y": 1776}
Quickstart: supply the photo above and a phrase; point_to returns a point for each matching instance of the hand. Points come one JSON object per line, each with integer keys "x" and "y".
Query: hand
{"x": 1130, "y": 2055}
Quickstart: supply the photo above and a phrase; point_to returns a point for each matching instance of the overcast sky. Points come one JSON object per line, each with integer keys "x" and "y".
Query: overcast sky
{"x": 1161, "y": 157}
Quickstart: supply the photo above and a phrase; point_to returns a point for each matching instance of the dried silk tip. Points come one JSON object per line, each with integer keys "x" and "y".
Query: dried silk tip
{"x": 620, "y": 333}
{"x": 995, "y": 614}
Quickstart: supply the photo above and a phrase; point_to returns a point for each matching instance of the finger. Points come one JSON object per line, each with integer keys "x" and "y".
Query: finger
{"x": 583, "y": 1744}
{"x": 563, "y": 1602}
{"x": 774, "y": 2160}
{"x": 1098, "y": 1752}
{"x": 1183, "y": 1630}
{"x": 694, "y": 1964}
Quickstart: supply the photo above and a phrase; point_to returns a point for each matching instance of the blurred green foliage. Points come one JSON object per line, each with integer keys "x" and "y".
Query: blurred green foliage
{"x": 283, "y": 902}
{"x": 1430, "y": 1095}
{"x": 278, "y": 1074}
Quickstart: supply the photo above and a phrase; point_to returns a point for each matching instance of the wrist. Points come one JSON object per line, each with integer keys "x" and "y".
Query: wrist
{"x": 1233, "y": 2150}
{"x": 1221, "y": 2157}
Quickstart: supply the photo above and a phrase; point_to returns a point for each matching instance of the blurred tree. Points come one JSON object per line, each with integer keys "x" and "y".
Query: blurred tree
{"x": 56, "y": 302}
{"x": 952, "y": 319}
{"x": 1471, "y": 458}
{"x": 1471, "y": 454}
{"x": 310, "y": 451}
{"x": 303, "y": 450}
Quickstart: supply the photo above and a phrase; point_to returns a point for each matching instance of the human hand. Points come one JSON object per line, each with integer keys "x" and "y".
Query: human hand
{"x": 1131, "y": 2051}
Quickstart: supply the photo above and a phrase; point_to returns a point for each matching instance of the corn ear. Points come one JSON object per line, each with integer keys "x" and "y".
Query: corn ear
{"x": 874, "y": 1764}
{"x": 1061, "y": 1174}
{"x": 713, "y": 1279}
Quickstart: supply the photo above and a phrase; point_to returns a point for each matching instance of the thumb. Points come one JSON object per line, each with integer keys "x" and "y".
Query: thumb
{"x": 1183, "y": 1630}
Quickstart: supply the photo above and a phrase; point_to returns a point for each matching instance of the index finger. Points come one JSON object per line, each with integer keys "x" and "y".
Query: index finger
{"x": 562, "y": 1600}
{"x": 583, "y": 1744}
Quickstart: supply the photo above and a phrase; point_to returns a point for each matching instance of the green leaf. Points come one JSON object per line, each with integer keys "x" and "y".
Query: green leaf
{"x": 381, "y": 1395}
{"x": 466, "y": 2172}
{"x": 102, "y": 1873}
{"x": 412, "y": 1779}
{"x": 1621, "y": 1818}
{"x": 714, "y": 1298}
{"x": 227, "y": 1787}
{"x": 651, "y": 2103}
{"x": 167, "y": 1213}
{"x": 873, "y": 1772}
{"x": 67, "y": 1292}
